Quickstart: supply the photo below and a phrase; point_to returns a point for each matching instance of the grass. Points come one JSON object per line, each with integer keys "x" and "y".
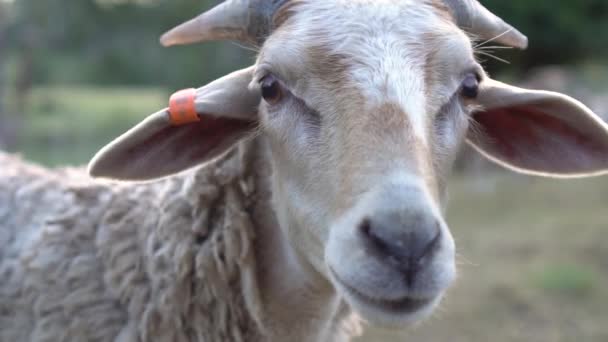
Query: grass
{"x": 67, "y": 125}
{"x": 563, "y": 279}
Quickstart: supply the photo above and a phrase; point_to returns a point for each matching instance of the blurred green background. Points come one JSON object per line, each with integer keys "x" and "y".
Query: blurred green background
{"x": 533, "y": 254}
{"x": 74, "y": 73}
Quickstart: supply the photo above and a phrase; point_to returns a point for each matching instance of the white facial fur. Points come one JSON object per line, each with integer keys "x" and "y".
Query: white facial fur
{"x": 368, "y": 125}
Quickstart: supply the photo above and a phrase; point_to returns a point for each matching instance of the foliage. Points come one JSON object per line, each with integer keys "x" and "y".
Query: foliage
{"x": 116, "y": 41}
{"x": 560, "y": 31}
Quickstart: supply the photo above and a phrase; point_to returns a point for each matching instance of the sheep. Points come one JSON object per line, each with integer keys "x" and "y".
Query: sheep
{"x": 306, "y": 196}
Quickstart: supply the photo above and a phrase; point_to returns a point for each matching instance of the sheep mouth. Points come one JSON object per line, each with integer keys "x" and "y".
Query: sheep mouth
{"x": 405, "y": 305}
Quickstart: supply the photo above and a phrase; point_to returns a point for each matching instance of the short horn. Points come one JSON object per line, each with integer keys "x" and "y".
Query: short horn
{"x": 227, "y": 21}
{"x": 247, "y": 21}
{"x": 472, "y": 16}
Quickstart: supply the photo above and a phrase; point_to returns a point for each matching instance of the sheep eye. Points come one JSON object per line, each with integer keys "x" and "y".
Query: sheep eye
{"x": 470, "y": 86}
{"x": 272, "y": 91}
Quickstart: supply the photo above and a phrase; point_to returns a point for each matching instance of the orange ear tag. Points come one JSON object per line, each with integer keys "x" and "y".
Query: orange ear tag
{"x": 182, "y": 108}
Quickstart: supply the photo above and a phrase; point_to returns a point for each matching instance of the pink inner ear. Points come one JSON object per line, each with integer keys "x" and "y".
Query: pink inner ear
{"x": 176, "y": 148}
{"x": 528, "y": 138}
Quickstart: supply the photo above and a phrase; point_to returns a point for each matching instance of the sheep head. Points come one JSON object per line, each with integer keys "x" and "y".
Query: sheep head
{"x": 365, "y": 104}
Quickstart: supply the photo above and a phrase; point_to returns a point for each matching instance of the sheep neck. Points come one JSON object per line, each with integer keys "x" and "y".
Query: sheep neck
{"x": 299, "y": 304}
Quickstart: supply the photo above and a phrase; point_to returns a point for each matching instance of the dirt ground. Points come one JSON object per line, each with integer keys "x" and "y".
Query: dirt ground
{"x": 533, "y": 263}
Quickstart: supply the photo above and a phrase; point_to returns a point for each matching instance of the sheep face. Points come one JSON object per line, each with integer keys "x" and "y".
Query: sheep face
{"x": 364, "y": 122}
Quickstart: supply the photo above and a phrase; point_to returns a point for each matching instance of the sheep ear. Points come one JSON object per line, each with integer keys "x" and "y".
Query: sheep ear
{"x": 156, "y": 147}
{"x": 538, "y": 132}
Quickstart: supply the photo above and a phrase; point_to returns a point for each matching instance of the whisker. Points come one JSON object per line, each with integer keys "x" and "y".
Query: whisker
{"x": 248, "y": 47}
{"x": 493, "y": 39}
{"x": 462, "y": 260}
{"x": 493, "y": 47}
{"x": 494, "y": 57}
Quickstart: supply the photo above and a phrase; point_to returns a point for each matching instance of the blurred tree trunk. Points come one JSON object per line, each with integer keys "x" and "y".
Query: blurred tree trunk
{"x": 25, "y": 76}
{"x": 23, "y": 83}
{"x": 7, "y": 134}
{"x": 2, "y": 81}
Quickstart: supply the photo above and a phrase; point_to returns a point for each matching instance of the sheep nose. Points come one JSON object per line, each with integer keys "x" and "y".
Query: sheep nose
{"x": 407, "y": 242}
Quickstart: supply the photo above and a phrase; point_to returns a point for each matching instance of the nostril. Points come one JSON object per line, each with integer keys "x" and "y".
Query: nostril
{"x": 365, "y": 227}
{"x": 432, "y": 246}
{"x": 371, "y": 237}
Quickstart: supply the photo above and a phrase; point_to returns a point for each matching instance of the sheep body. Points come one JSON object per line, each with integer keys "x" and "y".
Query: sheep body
{"x": 84, "y": 260}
